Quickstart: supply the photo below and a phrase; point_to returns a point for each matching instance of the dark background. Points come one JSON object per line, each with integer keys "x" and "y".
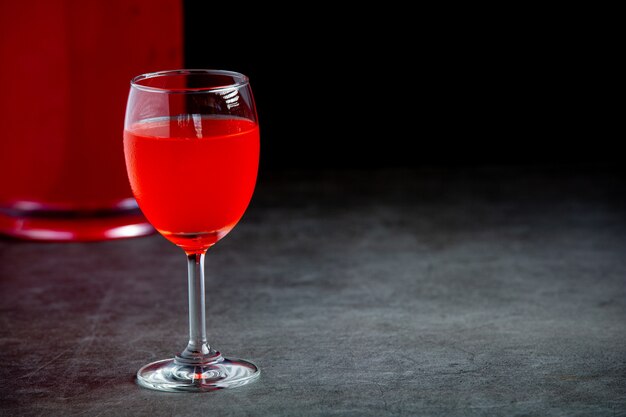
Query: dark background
{"x": 396, "y": 87}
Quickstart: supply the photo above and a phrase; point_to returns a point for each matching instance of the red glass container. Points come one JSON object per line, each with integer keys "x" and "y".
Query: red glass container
{"x": 64, "y": 78}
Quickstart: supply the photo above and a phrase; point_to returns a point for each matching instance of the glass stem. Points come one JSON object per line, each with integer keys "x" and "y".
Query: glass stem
{"x": 198, "y": 350}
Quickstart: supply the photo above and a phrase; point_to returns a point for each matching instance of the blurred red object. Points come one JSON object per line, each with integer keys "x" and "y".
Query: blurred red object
{"x": 65, "y": 73}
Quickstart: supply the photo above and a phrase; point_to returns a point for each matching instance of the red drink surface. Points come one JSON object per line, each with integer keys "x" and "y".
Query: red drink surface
{"x": 193, "y": 177}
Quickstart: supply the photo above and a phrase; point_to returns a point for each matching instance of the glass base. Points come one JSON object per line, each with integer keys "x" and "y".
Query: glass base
{"x": 174, "y": 376}
{"x": 63, "y": 226}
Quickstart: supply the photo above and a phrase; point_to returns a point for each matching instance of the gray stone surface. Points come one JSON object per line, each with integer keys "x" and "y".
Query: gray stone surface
{"x": 389, "y": 293}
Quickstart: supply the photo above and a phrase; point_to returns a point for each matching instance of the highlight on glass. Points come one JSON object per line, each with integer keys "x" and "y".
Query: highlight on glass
{"x": 191, "y": 144}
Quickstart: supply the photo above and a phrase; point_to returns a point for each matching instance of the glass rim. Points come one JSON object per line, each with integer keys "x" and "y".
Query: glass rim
{"x": 239, "y": 80}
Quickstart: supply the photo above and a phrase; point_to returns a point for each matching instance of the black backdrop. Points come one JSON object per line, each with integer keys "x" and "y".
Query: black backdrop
{"x": 395, "y": 87}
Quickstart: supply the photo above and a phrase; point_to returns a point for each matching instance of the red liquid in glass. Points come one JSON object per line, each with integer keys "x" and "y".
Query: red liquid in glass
{"x": 193, "y": 177}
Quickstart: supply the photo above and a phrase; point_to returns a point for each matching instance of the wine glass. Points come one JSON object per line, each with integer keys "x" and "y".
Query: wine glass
{"x": 191, "y": 143}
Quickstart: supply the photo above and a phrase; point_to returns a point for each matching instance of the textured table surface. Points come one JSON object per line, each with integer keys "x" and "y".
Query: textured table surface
{"x": 389, "y": 293}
